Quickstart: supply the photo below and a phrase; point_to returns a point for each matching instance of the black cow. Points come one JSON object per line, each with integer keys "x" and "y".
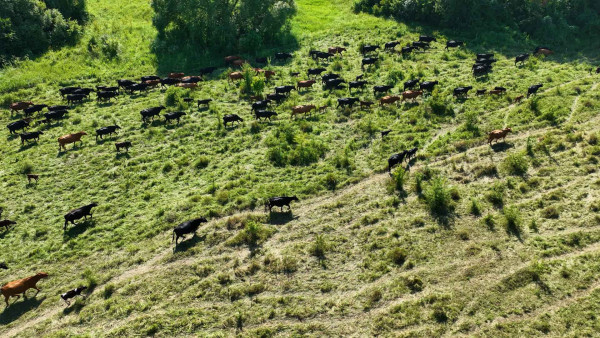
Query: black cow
{"x": 502, "y": 89}
{"x": 34, "y": 135}
{"x": 207, "y": 70}
{"x": 51, "y": 108}
{"x": 187, "y": 227}
{"x": 410, "y": 154}
{"x": 385, "y": 133}
{"x": 481, "y": 69}
{"x": 381, "y": 89}
{"x": 368, "y": 48}
{"x": 79, "y": 213}
{"x": 125, "y": 144}
{"x": 333, "y": 84}
{"x": 313, "y": 53}
{"x": 106, "y": 131}
{"x": 107, "y": 89}
{"x": 34, "y": 109}
{"x": 323, "y": 55}
{"x": 150, "y": 78}
{"x": 7, "y": 223}
{"x": 72, "y": 98}
{"x": 138, "y": 87}
{"x": 55, "y": 115}
{"x": 481, "y": 92}
{"x": 262, "y": 60}
{"x": 174, "y": 116}
{"x": 329, "y": 76}
{"x": 125, "y": 83}
{"x": 284, "y": 89}
{"x": 3, "y": 266}
{"x": 151, "y": 112}
{"x": 276, "y": 97}
{"x": 391, "y": 45}
{"x": 395, "y": 159}
{"x": 425, "y": 38}
{"x": 534, "y": 89}
{"x": 410, "y": 84}
{"x": 283, "y": 56}
{"x": 231, "y": 118}
{"x": 407, "y": 49}
{"x": 315, "y": 71}
{"x": 420, "y": 45}
{"x": 521, "y": 58}
{"x": 204, "y": 102}
{"x": 261, "y": 104}
{"x": 264, "y": 114}
{"x": 67, "y": 90}
{"x": 356, "y": 84}
{"x": 83, "y": 91}
{"x": 280, "y": 202}
{"x": 486, "y": 61}
{"x": 18, "y": 125}
{"x": 462, "y": 91}
{"x": 453, "y": 44}
{"x": 368, "y": 61}
{"x": 167, "y": 81}
{"x": 428, "y": 85}
{"x": 347, "y": 101}
{"x": 106, "y": 95}
{"x": 191, "y": 79}
{"x": 485, "y": 56}
{"x": 72, "y": 293}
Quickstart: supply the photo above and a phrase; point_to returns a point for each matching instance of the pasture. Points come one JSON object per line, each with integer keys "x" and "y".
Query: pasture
{"x": 514, "y": 252}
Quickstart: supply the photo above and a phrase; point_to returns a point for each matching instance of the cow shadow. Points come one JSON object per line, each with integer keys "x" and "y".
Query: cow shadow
{"x": 11, "y": 137}
{"x": 119, "y": 156}
{"x": 18, "y": 308}
{"x": 501, "y": 147}
{"x": 105, "y": 104}
{"x": 281, "y": 218}
{"x": 188, "y": 243}
{"x": 203, "y": 109}
{"x": 73, "y": 231}
{"x": 27, "y": 146}
{"x": 75, "y": 307}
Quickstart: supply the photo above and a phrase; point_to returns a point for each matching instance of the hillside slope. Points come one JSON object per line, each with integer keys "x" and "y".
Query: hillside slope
{"x": 355, "y": 256}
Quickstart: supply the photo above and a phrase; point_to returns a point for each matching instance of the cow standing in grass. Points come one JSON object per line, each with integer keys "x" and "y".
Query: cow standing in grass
{"x": 498, "y": 134}
{"x": 17, "y": 287}
{"x": 280, "y": 202}
{"x": 188, "y": 227}
{"x": 79, "y": 213}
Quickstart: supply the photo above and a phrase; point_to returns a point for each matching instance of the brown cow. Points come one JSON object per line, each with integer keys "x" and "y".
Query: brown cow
{"x": 336, "y": 50}
{"x": 32, "y": 177}
{"x": 14, "y": 107}
{"x": 498, "y": 134}
{"x": 71, "y": 138}
{"x": 389, "y": 99}
{"x": 496, "y": 92}
{"x": 235, "y": 76}
{"x": 518, "y": 99}
{"x": 544, "y": 51}
{"x": 187, "y": 85}
{"x": 231, "y": 58}
{"x": 323, "y": 108}
{"x": 304, "y": 109}
{"x": 269, "y": 74}
{"x": 306, "y": 84}
{"x": 239, "y": 63}
{"x": 366, "y": 104}
{"x": 411, "y": 94}
{"x": 152, "y": 83}
{"x": 14, "y": 288}
{"x": 176, "y": 75}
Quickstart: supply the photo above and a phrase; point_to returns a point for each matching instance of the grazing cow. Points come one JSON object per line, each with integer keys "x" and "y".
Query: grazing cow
{"x": 34, "y": 109}
{"x": 496, "y": 92}
{"x": 260, "y": 105}
{"x": 368, "y": 48}
{"x": 356, "y": 84}
{"x": 521, "y": 58}
{"x": 385, "y": 133}
{"x": 176, "y": 75}
{"x": 280, "y": 202}
{"x": 391, "y": 45}
{"x": 15, "y": 288}
{"x": 388, "y": 100}
{"x": 598, "y": 70}
{"x": 55, "y": 115}
{"x": 83, "y": 91}
{"x": 481, "y": 92}
{"x": 323, "y": 108}
{"x": 207, "y": 70}
{"x": 59, "y": 107}
{"x": 407, "y": 50}
{"x": 395, "y": 159}
{"x": 125, "y": 83}
{"x": 107, "y": 88}
{"x": 336, "y": 50}
{"x": 543, "y": 51}
{"x": 313, "y": 54}
{"x": 333, "y": 83}
{"x": 305, "y": 84}
{"x": 106, "y": 96}
{"x": 3, "y": 266}
{"x": 262, "y": 60}
{"x": 73, "y": 98}
{"x": 174, "y": 116}
{"x": 420, "y": 45}
{"x": 32, "y": 177}
{"x": 240, "y": 63}
{"x": 487, "y": 62}
{"x": 187, "y": 85}
{"x": 485, "y": 56}
{"x": 106, "y": 131}
{"x": 138, "y": 87}
{"x": 534, "y": 89}
{"x": 229, "y": 59}
{"x": 359, "y": 77}
{"x": 410, "y": 84}
{"x": 519, "y": 98}
{"x": 18, "y": 125}
{"x": 479, "y": 70}
{"x": 411, "y": 94}
{"x": 410, "y": 154}
{"x": 6, "y": 223}
{"x": 152, "y": 83}
{"x": 231, "y": 118}
{"x": 454, "y": 44}
{"x": 149, "y": 78}
{"x": 191, "y": 79}
{"x": 71, "y": 138}
{"x": 235, "y": 76}
{"x": 264, "y": 114}
{"x": 329, "y": 76}
{"x": 462, "y": 91}
{"x": 503, "y": 89}
{"x": 79, "y": 213}
{"x": 34, "y": 135}
{"x": 303, "y": 109}
{"x": 315, "y": 71}
{"x": 347, "y": 101}
{"x": 428, "y": 85}
{"x": 283, "y": 56}
{"x": 124, "y": 144}
{"x": 67, "y": 90}
{"x": 381, "y": 89}
{"x": 268, "y": 74}
{"x": 425, "y": 38}
{"x": 167, "y": 81}
{"x": 72, "y": 293}
{"x": 204, "y": 102}
{"x": 368, "y": 61}
{"x": 151, "y": 112}
{"x": 366, "y": 104}
{"x": 187, "y": 227}
{"x": 295, "y": 74}
{"x": 498, "y": 134}
{"x": 284, "y": 89}
{"x": 276, "y": 97}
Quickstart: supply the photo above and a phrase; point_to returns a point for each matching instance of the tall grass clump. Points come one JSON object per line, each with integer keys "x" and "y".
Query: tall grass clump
{"x": 438, "y": 197}
{"x": 516, "y": 164}
{"x": 513, "y": 221}
{"x": 319, "y": 247}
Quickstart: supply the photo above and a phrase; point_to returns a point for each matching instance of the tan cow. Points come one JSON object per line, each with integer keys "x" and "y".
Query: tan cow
{"x": 176, "y": 75}
{"x": 14, "y": 107}
{"x": 306, "y": 84}
{"x": 389, "y": 99}
{"x": 239, "y": 63}
{"x": 15, "y": 288}
{"x": 187, "y": 85}
{"x": 496, "y": 92}
{"x": 71, "y": 138}
{"x": 336, "y": 50}
{"x": 231, "y": 58}
{"x": 235, "y": 76}
{"x": 152, "y": 83}
{"x": 498, "y": 134}
{"x": 411, "y": 94}
{"x": 304, "y": 109}
{"x": 544, "y": 51}
{"x": 518, "y": 99}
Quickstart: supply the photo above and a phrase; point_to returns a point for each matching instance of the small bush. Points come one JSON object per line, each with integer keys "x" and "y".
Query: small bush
{"x": 202, "y": 162}
{"x": 109, "y": 289}
{"x": 489, "y": 222}
{"x": 397, "y": 256}
{"x": 496, "y": 194}
{"x": 400, "y": 176}
{"x": 513, "y": 221}
{"x": 475, "y": 207}
{"x": 551, "y": 212}
{"x": 26, "y": 167}
{"x": 331, "y": 181}
{"x": 319, "y": 247}
{"x": 419, "y": 183}
{"x": 438, "y": 197}
{"x": 516, "y": 164}
{"x": 414, "y": 284}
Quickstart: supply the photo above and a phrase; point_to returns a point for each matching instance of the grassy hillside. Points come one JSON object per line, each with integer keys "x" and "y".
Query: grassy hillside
{"x": 517, "y": 256}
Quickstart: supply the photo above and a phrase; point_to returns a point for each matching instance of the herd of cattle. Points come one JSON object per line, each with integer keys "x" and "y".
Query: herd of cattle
{"x": 412, "y": 89}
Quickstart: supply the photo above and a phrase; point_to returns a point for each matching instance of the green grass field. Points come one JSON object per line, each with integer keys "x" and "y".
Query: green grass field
{"x": 515, "y": 254}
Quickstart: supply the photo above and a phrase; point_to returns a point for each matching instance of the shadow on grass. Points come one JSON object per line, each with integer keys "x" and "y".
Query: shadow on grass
{"x": 119, "y": 156}
{"x": 281, "y": 218}
{"x": 77, "y": 229}
{"x": 18, "y": 308}
{"x": 75, "y": 307}
{"x": 501, "y": 147}
{"x": 184, "y": 245}
{"x": 27, "y": 146}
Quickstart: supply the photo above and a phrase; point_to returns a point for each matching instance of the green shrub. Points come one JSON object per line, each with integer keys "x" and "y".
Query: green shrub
{"x": 513, "y": 221}
{"x": 174, "y": 96}
{"x": 438, "y": 197}
{"x": 202, "y": 162}
{"x": 414, "y": 284}
{"x": 516, "y": 164}
{"x": 109, "y": 289}
{"x": 26, "y": 167}
{"x": 319, "y": 247}
{"x": 475, "y": 207}
{"x": 489, "y": 222}
{"x": 551, "y": 212}
{"x": 400, "y": 176}
{"x": 419, "y": 183}
{"x": 331, "y": 181}
{"x": 496, "y": 194}
{"x": 397, "y": 256}
{"x": 253, "y": 234}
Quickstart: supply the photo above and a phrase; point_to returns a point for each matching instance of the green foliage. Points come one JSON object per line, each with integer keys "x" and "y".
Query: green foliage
{"x": 475, "y": 207}
{"x": 438, "y": 197}
{"x": 516, "y": 164}
{"x": 496, "y": 194}
{"x": 104, "y": 46}
{"x": 174, "y": 96}
{"x": 319, "y": 247}
{"x": 400, "y": 176}
{"x": 397, "y": 256}
{"x": 253, "y": 234}
{"x": 513, "y": 221}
